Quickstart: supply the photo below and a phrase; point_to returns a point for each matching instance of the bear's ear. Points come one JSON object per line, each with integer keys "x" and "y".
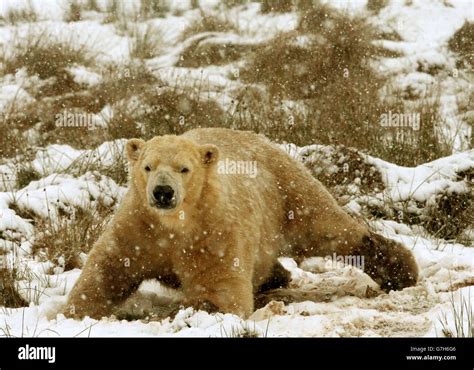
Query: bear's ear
{"x": 134, "y": 147}
{"x": 209, "y": 153}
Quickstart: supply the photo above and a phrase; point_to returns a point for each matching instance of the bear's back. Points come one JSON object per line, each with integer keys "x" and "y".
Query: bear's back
{"x": 233, "y": 144}
{"x": 249, "y": 146}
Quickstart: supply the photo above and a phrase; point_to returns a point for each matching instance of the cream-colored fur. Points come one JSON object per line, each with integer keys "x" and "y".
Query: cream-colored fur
{"x": 222, "y": 240}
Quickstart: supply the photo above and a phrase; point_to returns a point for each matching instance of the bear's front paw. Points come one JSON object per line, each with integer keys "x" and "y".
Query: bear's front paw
{"x": 201, "y": 305}
{"x": 205, "y": 305}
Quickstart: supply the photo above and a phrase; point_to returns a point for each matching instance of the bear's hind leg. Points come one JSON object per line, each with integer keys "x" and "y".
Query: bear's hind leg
{"x": 279, "y": 278}
{"x": 386, "y": 261}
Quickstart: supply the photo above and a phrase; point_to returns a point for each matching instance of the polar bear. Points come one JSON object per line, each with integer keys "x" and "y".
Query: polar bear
{"x": 210, "y": 212}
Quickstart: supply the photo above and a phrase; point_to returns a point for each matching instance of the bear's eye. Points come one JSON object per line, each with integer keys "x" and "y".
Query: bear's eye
{"x": 184, "y": 170}
{"x": 147, "y": 168}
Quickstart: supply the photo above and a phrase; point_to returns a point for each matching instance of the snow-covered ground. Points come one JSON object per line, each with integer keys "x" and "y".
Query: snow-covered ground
{"x": 340, "y": 300}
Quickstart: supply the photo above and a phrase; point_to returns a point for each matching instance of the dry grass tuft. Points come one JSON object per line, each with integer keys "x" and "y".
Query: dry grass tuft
{"x": 121, "y": 82}
{"x": 278, "y": 6}
{"x": 118, "y": 13}
{"x": 117, "y": 171}
{"x": 462, "y": 313}
{"x": 209, "y": 23}
{"x": 74, "y": 11}
{"x": 153, "y": 9}
{"x": 45, "y": 55}
{"x": 164, "y": 111}
{"x": 409, "y": 147}
{"x": 462, "y": 43}
{"x": 24, "y": 14}
{"x": 376, "y": 5}
{"x": 9, "y": 296}
{"x": 329, "y": 47}
{"x": 226, "y": 3}
{"x": 63, "y": 241}
{"x": 451, "y": 215}
{"x": 203, "y": 53}
{"x": 146, "y": 43}
{"x": 92, "y": 5}
{"x": 12, "y": 143}
{"x": 25, "y": 175}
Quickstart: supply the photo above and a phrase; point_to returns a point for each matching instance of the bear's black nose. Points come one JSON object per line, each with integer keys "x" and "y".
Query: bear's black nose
{"x": 164, "y": 196}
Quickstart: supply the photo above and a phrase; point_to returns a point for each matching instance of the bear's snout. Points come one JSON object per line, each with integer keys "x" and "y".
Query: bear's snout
{"x": 164, "y": 196}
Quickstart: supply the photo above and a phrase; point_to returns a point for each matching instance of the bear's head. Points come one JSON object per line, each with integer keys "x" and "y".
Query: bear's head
{"x": 169, "y": 174}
